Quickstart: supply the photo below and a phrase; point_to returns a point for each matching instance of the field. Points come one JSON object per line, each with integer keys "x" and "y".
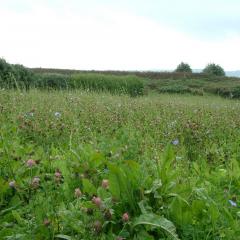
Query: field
{"x": 83, "y": 165}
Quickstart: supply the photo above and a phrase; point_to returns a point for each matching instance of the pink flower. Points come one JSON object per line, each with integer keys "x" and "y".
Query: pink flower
{"x": 58, "y": 176}
{"x": 125, "y": 217}
{"x": 78, "y": 193}
{"x": 105, "y": 183}
{"x": 46, "y": 222}
{"x": 97, "y": 201}
{"x": 12, "y": 184}
{"x": 30, "y": 163}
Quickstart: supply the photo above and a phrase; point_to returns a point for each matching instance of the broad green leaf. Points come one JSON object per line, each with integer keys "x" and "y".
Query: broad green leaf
{"x": 65, "y": 237}
{"x": 157, "y": 222}
{"x": 88, "y": 187}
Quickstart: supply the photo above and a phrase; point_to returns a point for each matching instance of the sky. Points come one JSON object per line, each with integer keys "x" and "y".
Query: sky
{"x": 120, "y": 34}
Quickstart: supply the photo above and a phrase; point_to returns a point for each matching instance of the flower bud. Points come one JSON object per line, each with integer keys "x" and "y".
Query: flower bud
{"x": 97, "y": 226}
{"x": 97, "y": 201}
{"x": 30, "y": 163}
{"x": 125, "y": 217}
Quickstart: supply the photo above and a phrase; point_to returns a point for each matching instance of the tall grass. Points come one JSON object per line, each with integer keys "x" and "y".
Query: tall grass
{"x": 131, "y": 85}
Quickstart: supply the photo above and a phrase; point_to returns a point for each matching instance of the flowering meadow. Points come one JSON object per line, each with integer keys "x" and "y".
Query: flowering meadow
{"x": 81, "y": 165}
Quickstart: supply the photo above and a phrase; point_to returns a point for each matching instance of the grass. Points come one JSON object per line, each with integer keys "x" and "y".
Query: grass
{"x": 84, "y": 165}
{"x": 132, "y": 85}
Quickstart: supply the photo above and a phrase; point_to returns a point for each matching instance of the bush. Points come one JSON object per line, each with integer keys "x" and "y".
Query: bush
{"x": 183, "y": 67}
{"x": 14, "y": 76}
{"x": 214, "y": 69}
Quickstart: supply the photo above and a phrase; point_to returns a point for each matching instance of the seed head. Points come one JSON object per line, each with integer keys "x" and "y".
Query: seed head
{"x": 77, "y": 193}
{"x": 105, "y": 183}
{"x": 35, "y": 182}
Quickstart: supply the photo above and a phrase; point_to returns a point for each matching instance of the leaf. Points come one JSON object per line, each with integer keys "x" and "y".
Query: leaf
{"x": 158, "y": 222}
{"x": 88, "y": 187}
{"x": 61, "y": 236}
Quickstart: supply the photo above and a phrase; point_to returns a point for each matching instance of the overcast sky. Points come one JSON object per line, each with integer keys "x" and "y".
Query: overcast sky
{"x": 120, "y": 34}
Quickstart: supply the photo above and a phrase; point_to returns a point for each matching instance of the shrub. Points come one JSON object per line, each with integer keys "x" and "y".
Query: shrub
{"x": 214, "y": 69}
{"x": 14, "y": 76}
{"x": 183, "y": 67}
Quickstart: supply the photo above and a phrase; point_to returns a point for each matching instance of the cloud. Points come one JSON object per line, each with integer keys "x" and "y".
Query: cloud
{"x": 105, "y": 38}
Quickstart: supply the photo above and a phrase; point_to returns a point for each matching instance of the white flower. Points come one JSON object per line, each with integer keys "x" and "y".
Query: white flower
{"x": 233, "y": 204}
{"x": 57, "y": 114}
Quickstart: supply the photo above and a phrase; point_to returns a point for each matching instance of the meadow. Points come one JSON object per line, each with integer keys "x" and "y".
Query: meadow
{"x": 79, "y": 164}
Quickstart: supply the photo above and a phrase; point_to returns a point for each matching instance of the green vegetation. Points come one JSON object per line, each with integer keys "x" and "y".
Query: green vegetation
{"x": 78, "y": 165}
{"x": 183, "y": 67}
{"x": 19, "y": 77}
{"x": 117, "y": 82}
{"x": 214, "y": 69}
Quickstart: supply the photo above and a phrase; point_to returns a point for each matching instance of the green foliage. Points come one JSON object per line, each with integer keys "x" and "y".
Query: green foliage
{"x": 132, "y": 85}
{"x": 156, "y": 188}
{"x": 14, "y": 76}
{"x": 183, "y": 67}
{"x": 214, "y": 69}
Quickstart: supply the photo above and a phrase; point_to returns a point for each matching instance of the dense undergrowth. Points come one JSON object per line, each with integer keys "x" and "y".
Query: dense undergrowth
{"x": 117, "y": 82}
{"x": 77, "y": 165}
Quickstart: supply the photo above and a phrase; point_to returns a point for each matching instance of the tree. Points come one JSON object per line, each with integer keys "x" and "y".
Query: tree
{"x": 214, "y": 69}
{"x": 184, "y": 67}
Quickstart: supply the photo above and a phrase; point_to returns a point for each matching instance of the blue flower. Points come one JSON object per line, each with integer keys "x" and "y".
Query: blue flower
{"x": 175, "y": 142}
{"x": 233, "y": 204}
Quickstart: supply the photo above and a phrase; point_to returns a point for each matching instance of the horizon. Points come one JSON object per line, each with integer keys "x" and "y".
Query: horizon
{"x": 136, "y": 36}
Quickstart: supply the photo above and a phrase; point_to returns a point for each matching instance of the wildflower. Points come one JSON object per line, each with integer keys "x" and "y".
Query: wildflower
{"x": 30, "y": 163}
{"x": 108, "y": 214}
{"x": 12, "y": 184}
{"x": 57, "y": 114}
{"x": 78, "y": 193}
{"x": 29, "y": 114}
{"x": 97, "y": 226}
{"x": 46, "y": 222}
{"x": 233, "y": 204}
{"x": 58, "y": 175}
{"x": 125, "y": 217}
{"x": 119, "y": 238}
{"x": 97, "y": 201}
{"x": 105, "y": 183}
{"x": 35, "y": 182}
{"x": 175, "y": 142}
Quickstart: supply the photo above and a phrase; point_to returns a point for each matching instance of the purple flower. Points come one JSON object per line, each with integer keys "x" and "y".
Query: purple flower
{"x": 30, "y": 163}
{"x": 175, "y": 142}
{"x": 233, "y": 204}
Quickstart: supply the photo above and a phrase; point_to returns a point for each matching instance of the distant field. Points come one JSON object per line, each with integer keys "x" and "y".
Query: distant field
{"x": 169, "y": 82}
{"x": 84, "y": 165}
